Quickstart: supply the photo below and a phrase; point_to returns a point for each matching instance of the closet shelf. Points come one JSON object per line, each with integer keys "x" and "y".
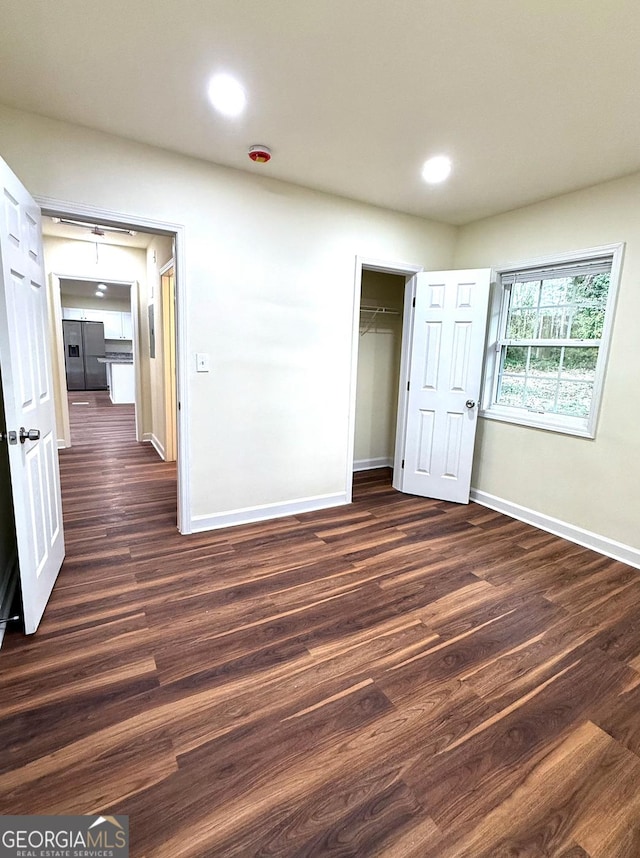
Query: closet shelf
{"x": 373, "y": 312}
{"x": 392, "y": 311}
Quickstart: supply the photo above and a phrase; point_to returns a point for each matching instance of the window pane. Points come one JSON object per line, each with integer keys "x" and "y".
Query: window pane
{"x": 590, "y": 289}
{"x": 580, "y": 363}
{"x": 525, "y": 294}
{"x": 540, "y": 394}
{"x": 522, "y": 324}
{"x": 515, "y": 359}
{"x": 545, "y": 361}
{"x": 587, "y": 324}
{"x": 554, "y": 292}
{"x": 511, "y": 390}
{"x": 588, "y": 294}
{"x": 574, "y": 398}
{"x": 553, "y": 323}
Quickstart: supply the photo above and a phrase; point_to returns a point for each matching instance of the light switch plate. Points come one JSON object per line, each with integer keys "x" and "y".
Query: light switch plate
{"x": 202, "y": 362}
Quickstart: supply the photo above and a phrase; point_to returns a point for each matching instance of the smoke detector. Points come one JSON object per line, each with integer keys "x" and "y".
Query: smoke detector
{"x": 260, "y": 154}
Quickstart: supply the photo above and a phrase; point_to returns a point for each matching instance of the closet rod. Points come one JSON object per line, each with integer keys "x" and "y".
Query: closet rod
{"x": 389, "y": 310}
{"x": 376, "y": 311}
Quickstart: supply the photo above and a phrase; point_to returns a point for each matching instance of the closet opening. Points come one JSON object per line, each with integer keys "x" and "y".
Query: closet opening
{"x": 378, "y": 375}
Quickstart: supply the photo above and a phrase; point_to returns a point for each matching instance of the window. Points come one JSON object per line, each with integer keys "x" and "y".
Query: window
{"x": 548, "y": 340}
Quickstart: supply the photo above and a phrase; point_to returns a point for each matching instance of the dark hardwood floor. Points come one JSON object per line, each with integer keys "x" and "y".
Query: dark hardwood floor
{"x": 401, "y": 677}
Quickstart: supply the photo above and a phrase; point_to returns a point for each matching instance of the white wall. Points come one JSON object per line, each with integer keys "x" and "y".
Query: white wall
{"x": 591, "y": 484}
{"x": 270, "y": 290}
{"x": 379, "y": 351}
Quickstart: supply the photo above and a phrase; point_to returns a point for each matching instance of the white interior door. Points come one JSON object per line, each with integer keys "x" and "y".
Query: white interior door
{"x": 28, "y": 398}
{"x": 445, "y": 355}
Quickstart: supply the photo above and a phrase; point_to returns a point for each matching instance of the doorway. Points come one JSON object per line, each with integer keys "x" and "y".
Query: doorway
{"x": 379, "y": 321}
{"x": 159, "y": 248}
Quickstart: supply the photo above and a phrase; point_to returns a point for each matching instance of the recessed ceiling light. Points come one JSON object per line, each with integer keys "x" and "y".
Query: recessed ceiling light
{"x": 436, "y": 169}
{"x": 102, "y": 287}
{"x": 227, "y": 95}
{"x": 100, "y": 294}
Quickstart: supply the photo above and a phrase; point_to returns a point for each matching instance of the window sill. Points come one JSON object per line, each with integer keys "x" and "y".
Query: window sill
{"x": 533, "y": 421}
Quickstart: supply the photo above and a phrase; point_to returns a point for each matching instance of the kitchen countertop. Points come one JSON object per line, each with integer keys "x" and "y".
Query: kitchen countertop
{"x": 116, "y": 357}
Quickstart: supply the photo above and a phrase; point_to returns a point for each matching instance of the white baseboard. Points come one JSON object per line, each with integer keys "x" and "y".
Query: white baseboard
{"x": 63, "y": 444}
{"x": 146, "y": 438}
{"x": 7, "y": 589}
{"x": 370, "y": 464}
{"x": 158, "y": 447}
{"x": 265, "y": 512}
{"x": 601, "y": 544}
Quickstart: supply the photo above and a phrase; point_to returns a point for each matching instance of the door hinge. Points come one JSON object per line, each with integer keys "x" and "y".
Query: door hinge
{"x": 414, "y": 302}
{"x": 403, "y": 463}
{"x": 178, "y": 406}
{"x": 408, "y": 385}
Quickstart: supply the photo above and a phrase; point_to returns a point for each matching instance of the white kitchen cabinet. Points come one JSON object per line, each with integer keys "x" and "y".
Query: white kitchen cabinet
{"x": 127, "y": 326}
{"x": 112, "y": 325}
{"x": 73, "y": 313}
{"x": 117, "y": 325}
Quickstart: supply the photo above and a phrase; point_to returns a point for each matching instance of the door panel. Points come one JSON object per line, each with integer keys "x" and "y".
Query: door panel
{"x": 447, "y": 347}
{"x": 28, "y": 398}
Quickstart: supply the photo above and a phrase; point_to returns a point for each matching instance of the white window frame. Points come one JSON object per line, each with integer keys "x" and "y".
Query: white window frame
{"x": 584, "y": 427}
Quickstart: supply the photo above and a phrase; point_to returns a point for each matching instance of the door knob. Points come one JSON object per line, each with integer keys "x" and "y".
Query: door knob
{"x": 470, "y": 403}
{"x": 29, "y": 434}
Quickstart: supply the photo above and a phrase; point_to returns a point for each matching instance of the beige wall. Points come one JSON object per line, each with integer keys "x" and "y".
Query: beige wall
{"x": 378, "y": 369}
{"x": 93, "y": 303}
{"x": 270, "y": 290}
{"x": 73, "y": 258}
{"x": 592, "y": 484}
{"x": 159, "y": 252}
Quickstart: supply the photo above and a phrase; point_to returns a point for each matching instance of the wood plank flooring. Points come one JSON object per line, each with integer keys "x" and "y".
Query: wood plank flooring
{"x": 400, "y": 677}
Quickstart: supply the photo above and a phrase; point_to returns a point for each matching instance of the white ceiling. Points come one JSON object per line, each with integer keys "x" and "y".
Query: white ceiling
{"x": 87, "y": 289}
{"x": 530, "y": 98}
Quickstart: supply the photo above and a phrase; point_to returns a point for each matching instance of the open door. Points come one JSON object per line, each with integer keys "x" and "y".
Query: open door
{"x": 28, "y": 398}
{"x": 437, "y": 424}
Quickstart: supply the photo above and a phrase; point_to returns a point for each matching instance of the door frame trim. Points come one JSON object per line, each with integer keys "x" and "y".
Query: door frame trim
{"x": 167, "y": 302}
{"x": 52, "y": 207}
{"x": 408, "y": 270}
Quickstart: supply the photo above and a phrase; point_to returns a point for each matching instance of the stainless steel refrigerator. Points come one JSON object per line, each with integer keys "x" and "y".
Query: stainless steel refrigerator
{"x": 83, "y": 345}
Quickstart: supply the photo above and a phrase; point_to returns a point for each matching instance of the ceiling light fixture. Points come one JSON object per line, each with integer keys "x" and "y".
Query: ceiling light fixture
{"x": 436, "y": 169}
{"x": 102, "y": 287}
{"x": 227, "y": 95}
{"x": 94, "y": 228}
{"x": 99, "y": 294}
